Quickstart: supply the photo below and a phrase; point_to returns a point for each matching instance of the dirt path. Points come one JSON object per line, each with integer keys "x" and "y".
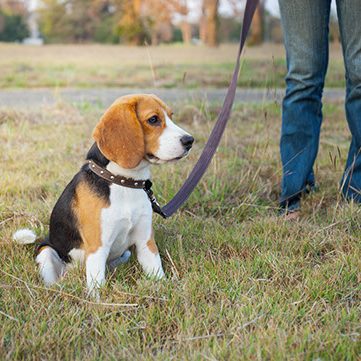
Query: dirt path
{"x": 32, "y": 98}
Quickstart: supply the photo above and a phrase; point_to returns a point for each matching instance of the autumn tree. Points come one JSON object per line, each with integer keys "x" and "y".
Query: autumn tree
{"x": 157, "y": 20}
{"x": 54, "y": 22}
{"x": 81, "y": 20}
{"x": 149, "y": 20}
{"x": 77, "y": 20}
{"x": 130, "y": 25}
{"x": 102, "y": 14}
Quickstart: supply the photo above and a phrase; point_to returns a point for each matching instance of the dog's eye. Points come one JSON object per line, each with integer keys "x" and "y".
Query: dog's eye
{"x": 154, "y": 120}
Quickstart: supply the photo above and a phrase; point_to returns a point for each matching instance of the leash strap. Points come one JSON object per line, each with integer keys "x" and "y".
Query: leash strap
{"x": 218, "y": 129}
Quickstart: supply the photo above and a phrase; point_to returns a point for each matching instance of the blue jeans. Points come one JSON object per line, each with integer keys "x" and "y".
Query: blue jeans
{"x": 306, "y": 29}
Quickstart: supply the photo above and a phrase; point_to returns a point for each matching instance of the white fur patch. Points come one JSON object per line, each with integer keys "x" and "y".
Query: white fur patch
{"x": 77, "y": 255}
{"x": 24, "y": 236}
{"x": 50, "y": 265}
{"x": 170, "y": 146}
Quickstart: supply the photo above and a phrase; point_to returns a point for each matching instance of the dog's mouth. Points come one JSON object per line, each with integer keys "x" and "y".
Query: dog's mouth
{"x": 154, "y": 159}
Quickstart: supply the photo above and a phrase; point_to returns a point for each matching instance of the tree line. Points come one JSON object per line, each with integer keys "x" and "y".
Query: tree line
{"x": 135, "y": 22}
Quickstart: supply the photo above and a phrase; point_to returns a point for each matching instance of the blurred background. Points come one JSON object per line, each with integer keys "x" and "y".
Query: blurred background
{"x": 137, "y": 22}
{"x": 143, "y": 45}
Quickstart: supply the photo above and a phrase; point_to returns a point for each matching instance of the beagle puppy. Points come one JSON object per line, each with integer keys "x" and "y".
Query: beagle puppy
{"x": 96, "y": 220}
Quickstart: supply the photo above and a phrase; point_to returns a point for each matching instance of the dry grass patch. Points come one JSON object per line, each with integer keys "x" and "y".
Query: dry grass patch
{"x": 163, "y": 66}
{"x": 242, "y": 283}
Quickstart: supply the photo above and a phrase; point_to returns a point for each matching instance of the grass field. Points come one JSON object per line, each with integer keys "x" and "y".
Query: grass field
{"x": 164, "y": 66}
{"x": 241, "y": 282}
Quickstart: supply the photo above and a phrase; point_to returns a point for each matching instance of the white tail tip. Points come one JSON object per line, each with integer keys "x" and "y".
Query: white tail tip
{"x": 24, "y": 236}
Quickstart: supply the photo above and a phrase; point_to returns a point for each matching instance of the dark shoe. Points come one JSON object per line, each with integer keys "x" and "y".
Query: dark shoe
{"x": 292, "y": 216}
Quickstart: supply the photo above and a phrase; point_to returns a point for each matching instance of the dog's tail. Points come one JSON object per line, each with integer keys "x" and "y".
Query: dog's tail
{"x": 51, "y": 267}
{"x": 24, "y": 236}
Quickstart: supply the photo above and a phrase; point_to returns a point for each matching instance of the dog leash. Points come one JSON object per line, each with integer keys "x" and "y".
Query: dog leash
{"x": 218, "y": 129}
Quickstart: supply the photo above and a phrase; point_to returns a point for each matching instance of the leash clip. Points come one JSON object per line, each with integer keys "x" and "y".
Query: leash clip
{"x": 155, "y": 205}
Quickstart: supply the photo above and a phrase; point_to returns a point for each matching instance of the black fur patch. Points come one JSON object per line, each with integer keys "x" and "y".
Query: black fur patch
{"x": 63, "y": 231}
{"x": 97, "y": 156}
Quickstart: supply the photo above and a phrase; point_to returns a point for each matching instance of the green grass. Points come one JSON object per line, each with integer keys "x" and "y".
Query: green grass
{"x": 241, "y": 282}
{"x": 164, "y": 66}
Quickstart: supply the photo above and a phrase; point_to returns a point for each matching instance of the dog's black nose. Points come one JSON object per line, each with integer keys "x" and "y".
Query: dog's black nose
{"x": 187, "y": 141}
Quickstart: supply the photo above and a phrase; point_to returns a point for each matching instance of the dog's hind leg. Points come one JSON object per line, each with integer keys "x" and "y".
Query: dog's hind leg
{"x": 51, "y": 266}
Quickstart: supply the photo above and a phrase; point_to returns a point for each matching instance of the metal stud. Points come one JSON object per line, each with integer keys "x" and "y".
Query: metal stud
{"x": 122, "y": 181}
{"x": 101, "y": 172}
{"x": 136, "y": 183}
{"x": 111, "y": 177}
{"x": 93, "y": 166}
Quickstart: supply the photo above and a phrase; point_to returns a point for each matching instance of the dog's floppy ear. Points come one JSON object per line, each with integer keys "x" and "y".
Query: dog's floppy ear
{"x": 119, "y": 134}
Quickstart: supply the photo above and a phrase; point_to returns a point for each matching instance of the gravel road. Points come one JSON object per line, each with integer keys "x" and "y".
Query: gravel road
{"x": 33, "y": 98}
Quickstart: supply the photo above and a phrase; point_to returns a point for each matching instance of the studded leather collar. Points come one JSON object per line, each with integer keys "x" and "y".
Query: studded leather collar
{"x": 116, "y": 179}
{"x": 146, "y": 185}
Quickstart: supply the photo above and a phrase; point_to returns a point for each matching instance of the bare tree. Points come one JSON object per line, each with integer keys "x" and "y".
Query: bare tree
{"x": 209, "y": 22}
{"x": 181, "y": 7}
{"x": 257, "y": 30}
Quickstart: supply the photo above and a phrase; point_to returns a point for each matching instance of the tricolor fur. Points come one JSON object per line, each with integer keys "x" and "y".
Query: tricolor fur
{"x": 98, "y": 221}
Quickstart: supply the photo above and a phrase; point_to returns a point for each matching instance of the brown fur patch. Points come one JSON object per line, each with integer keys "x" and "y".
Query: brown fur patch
{"x": 151, "y": 105}
{"x": 87, "y": 208}
{"x": 152, "y": 246}
{"x": 41, "y": 249}
{"x": 119, "y": 135}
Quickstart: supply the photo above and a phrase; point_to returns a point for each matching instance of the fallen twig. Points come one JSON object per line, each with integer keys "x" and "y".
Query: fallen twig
{"x": 8, "y": 316}
{"x": 174, "y": 268}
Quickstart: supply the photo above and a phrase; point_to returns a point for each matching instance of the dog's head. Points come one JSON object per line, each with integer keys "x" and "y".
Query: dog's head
{"x": 137, "y": 127}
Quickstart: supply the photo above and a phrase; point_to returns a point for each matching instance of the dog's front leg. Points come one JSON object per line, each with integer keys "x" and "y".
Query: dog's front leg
{"x": 95, "y": 270}
{"x": 146, "y": 249}
{"x": 149, "y": 258}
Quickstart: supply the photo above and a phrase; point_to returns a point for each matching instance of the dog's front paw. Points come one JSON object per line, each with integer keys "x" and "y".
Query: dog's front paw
{"x": 156, "y": 274}
{"x": 94, "y": 294}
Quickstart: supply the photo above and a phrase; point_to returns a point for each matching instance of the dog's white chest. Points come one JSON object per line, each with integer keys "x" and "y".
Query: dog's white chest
{"x": 129, "y": 211}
